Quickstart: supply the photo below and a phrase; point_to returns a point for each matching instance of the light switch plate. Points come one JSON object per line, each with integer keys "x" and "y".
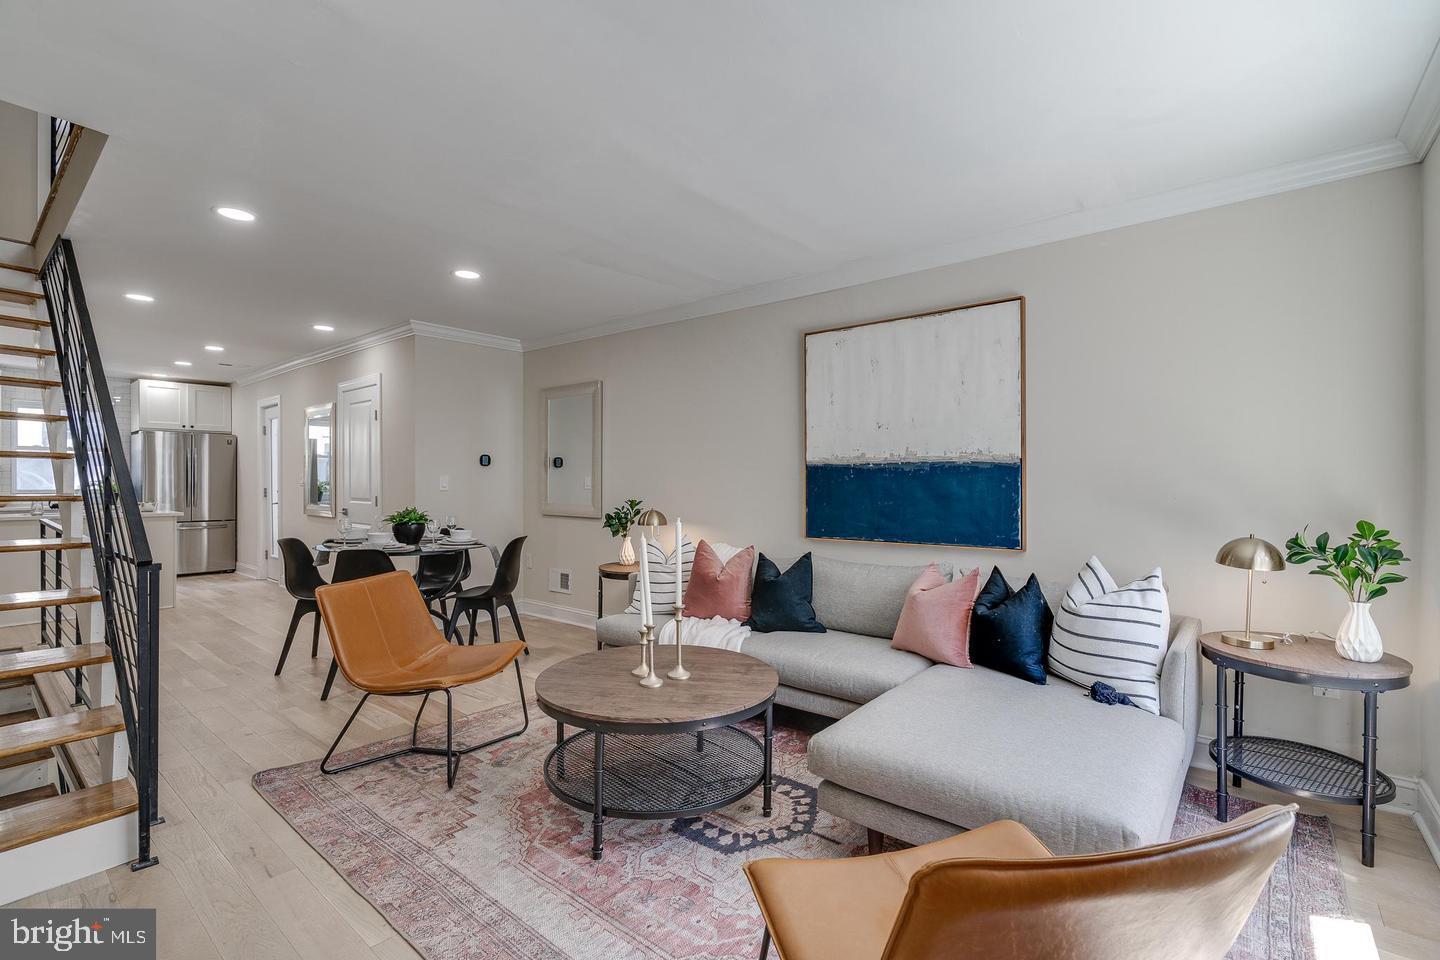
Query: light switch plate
{"x": 444, "y": 481}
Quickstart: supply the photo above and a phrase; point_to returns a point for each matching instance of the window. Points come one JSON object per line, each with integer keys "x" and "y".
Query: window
{"x": 28, "y": 474}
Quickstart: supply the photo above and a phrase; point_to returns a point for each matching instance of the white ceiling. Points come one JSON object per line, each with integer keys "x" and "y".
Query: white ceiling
{"x": 611, "y": 164}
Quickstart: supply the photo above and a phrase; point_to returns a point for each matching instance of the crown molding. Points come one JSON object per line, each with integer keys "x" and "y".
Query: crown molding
{"x": 436, "y": 331}
{"x": 1421, "y": 124}
{"x": 1353, "y": 162}
{"x": 411, "y": 328}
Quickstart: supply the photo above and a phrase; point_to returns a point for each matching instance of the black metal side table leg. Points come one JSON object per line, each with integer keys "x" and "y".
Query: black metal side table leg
{"x": 599, "y": 607}
{"x": 769, "y": 742}
{"x": 1237, "y": 727}
{"x": 1367, "y": 808}
{"x": 1222, "y": 796}
{"x": 598, "y": 824}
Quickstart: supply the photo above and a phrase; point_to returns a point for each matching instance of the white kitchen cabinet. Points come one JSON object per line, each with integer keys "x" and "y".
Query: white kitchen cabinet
{"x": 209, "y": 407}
{"x": 173, "y": 405}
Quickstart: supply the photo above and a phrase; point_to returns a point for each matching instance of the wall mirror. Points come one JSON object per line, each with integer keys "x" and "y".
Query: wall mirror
{"x": 319, "y": 442}
{"x": 571, "y": 484}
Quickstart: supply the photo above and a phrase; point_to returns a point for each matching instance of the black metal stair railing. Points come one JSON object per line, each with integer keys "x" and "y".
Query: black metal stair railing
{"x": 126, "y": 576}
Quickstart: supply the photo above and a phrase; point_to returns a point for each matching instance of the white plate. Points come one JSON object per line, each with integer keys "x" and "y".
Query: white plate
{"x": 459, "y": 543}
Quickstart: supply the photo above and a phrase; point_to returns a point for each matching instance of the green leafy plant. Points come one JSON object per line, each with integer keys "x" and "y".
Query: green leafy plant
{"x": 622, "y": 518}
{"x": 1359, "y": 565}
{"x": 408, "y": 515}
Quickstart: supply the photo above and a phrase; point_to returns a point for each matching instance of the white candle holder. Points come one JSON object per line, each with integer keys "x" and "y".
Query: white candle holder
{"x": 650, "y": 679}
{"x": 679, "y": 672}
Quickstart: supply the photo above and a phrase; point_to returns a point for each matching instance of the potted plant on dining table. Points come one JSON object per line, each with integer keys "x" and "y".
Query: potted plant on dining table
{"x": 408, "y": 525}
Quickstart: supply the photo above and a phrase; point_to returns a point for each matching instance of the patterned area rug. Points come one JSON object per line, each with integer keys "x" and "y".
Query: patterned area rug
{"x": 498, "y": 868}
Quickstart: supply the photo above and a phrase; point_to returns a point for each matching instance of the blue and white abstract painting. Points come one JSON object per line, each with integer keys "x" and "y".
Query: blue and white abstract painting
{"x": 915, "y": 429}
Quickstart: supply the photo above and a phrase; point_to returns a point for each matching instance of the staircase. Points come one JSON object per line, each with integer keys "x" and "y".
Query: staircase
{"x": 78, "y": 709}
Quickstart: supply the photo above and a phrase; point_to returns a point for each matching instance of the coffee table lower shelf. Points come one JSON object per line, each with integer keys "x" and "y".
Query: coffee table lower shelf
{"x": 657, "y": 776}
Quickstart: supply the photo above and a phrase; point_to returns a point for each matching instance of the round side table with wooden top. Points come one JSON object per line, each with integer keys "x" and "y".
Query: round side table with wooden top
{"x": 662, "y": 753}
{"x": 1300, "y": 768}
{"x": 611, "y": 571}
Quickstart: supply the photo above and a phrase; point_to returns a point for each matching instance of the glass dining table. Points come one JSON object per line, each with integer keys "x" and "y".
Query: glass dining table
{"x": 427, "y": 548}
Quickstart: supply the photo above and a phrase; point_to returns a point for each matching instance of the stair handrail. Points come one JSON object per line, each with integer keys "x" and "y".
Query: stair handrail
{"x": 127, "y": 576}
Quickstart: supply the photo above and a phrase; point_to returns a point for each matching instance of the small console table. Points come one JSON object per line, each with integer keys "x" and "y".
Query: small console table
{"x": 1296, "y": 768}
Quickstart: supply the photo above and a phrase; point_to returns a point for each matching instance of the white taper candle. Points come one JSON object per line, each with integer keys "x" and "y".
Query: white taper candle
{"x": 679, "y": 562}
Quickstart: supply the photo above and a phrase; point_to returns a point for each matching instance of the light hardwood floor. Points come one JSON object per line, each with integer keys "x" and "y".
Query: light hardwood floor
{"x": 235, "y": 882}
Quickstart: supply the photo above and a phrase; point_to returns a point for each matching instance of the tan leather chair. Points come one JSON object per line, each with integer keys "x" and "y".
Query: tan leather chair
{"x": 996, "y": 893}
{"x": 387, "y": 645}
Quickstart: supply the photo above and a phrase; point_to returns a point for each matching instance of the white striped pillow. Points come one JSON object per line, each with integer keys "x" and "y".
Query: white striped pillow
{"x": 662, "y": 579}
{"x": 1113, "y": 634}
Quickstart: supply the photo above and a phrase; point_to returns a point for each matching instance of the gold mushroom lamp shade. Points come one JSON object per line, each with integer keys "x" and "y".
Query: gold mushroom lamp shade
{"x": 1250, "y": 554}
{"x": 651, "y": 518}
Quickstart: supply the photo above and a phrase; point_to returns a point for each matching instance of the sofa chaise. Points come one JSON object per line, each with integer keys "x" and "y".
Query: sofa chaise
{"x": 922, "y": 751}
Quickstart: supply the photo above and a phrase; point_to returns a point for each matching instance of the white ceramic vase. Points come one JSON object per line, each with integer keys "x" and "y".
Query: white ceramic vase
{"x": 1358, "y": 638}
{"x": 627, "y": 550}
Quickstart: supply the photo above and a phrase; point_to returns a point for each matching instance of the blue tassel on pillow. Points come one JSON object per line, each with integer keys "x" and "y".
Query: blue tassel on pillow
{"x": 1104, "y": 693}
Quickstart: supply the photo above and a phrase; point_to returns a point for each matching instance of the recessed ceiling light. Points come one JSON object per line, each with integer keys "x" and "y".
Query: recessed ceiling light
{"x": 182, "y": 363}
{"x": 235, "y": 213}
{"x": 214, "y": 348}
{"x": 324, "y": 328}
{"x": 140, "y": 297}
{"x": 467, "y": 274}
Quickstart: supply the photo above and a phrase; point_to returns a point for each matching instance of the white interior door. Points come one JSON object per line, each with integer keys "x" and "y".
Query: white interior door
{"x": 270, "y": 492}
{"x": 359, "y": 474}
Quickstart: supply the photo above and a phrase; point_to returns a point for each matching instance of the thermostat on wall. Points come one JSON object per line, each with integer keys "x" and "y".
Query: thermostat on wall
{"x": 484, "y": 459}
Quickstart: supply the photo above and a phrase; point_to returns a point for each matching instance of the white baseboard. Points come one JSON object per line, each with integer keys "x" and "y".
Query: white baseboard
{"x": 554, "y": 611}
{"x": 247, "y": 570}
{"x": 1427, "y": 816}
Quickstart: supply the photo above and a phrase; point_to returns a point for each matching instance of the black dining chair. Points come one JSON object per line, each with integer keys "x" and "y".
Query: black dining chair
{"x": 490, "y": 598}
{"x": 301, "y": 579}
{"x": 355, "y": 565}
{"x": 439, "y": 576}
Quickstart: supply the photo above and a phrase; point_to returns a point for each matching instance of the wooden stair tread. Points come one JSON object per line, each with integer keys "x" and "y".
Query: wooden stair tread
{"x": 48, "y": 818}
{"x": 23, "y": 351}
{"x": 41, "y": 498}
{"x": 35, "y": 544}
{"x": 28, "y": 663}
{"x": 38, "y": 382}
{"x": 30, "y": 752}
{"x": 33, "y": 271}
{"x": 9, "y": 801}
{"x": 30, "y": 599}
{"x": 35, "y": 455}
{"x": 42, "y": 733}
{"x": 38, "y": 417}
{"x": 23, "y": 323}
{"x": 27, "y": 294}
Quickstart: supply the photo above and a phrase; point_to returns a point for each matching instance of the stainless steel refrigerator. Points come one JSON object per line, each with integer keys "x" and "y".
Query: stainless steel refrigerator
{"x": 192, "y": 473}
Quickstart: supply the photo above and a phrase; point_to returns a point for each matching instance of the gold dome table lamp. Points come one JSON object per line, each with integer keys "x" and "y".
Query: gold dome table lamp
{"x": 1250, "y": 554}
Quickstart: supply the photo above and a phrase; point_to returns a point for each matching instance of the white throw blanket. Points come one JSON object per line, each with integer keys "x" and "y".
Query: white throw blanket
{"x": 715, "y": 632}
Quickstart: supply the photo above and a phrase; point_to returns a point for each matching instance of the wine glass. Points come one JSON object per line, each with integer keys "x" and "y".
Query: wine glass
{"x": 344, "y": 527}
{"x": 450, "y": 522}
{"x": 432, "y": 528}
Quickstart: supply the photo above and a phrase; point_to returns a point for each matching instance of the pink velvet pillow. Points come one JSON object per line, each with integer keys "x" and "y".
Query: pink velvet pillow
{"x": 719, "y": 589}
{"x": 936, "y": 620}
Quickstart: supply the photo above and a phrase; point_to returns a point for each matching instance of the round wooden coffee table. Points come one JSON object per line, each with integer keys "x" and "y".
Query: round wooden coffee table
{"x": 655, "y": 754}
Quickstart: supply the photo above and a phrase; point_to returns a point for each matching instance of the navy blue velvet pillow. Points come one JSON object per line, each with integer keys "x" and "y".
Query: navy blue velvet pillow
{"x": 1010, "y": 631}
{"x": 782, "y": 601}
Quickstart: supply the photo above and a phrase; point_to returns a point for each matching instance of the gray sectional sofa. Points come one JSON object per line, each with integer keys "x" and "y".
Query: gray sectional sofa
{"x": 923, "y": 750}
